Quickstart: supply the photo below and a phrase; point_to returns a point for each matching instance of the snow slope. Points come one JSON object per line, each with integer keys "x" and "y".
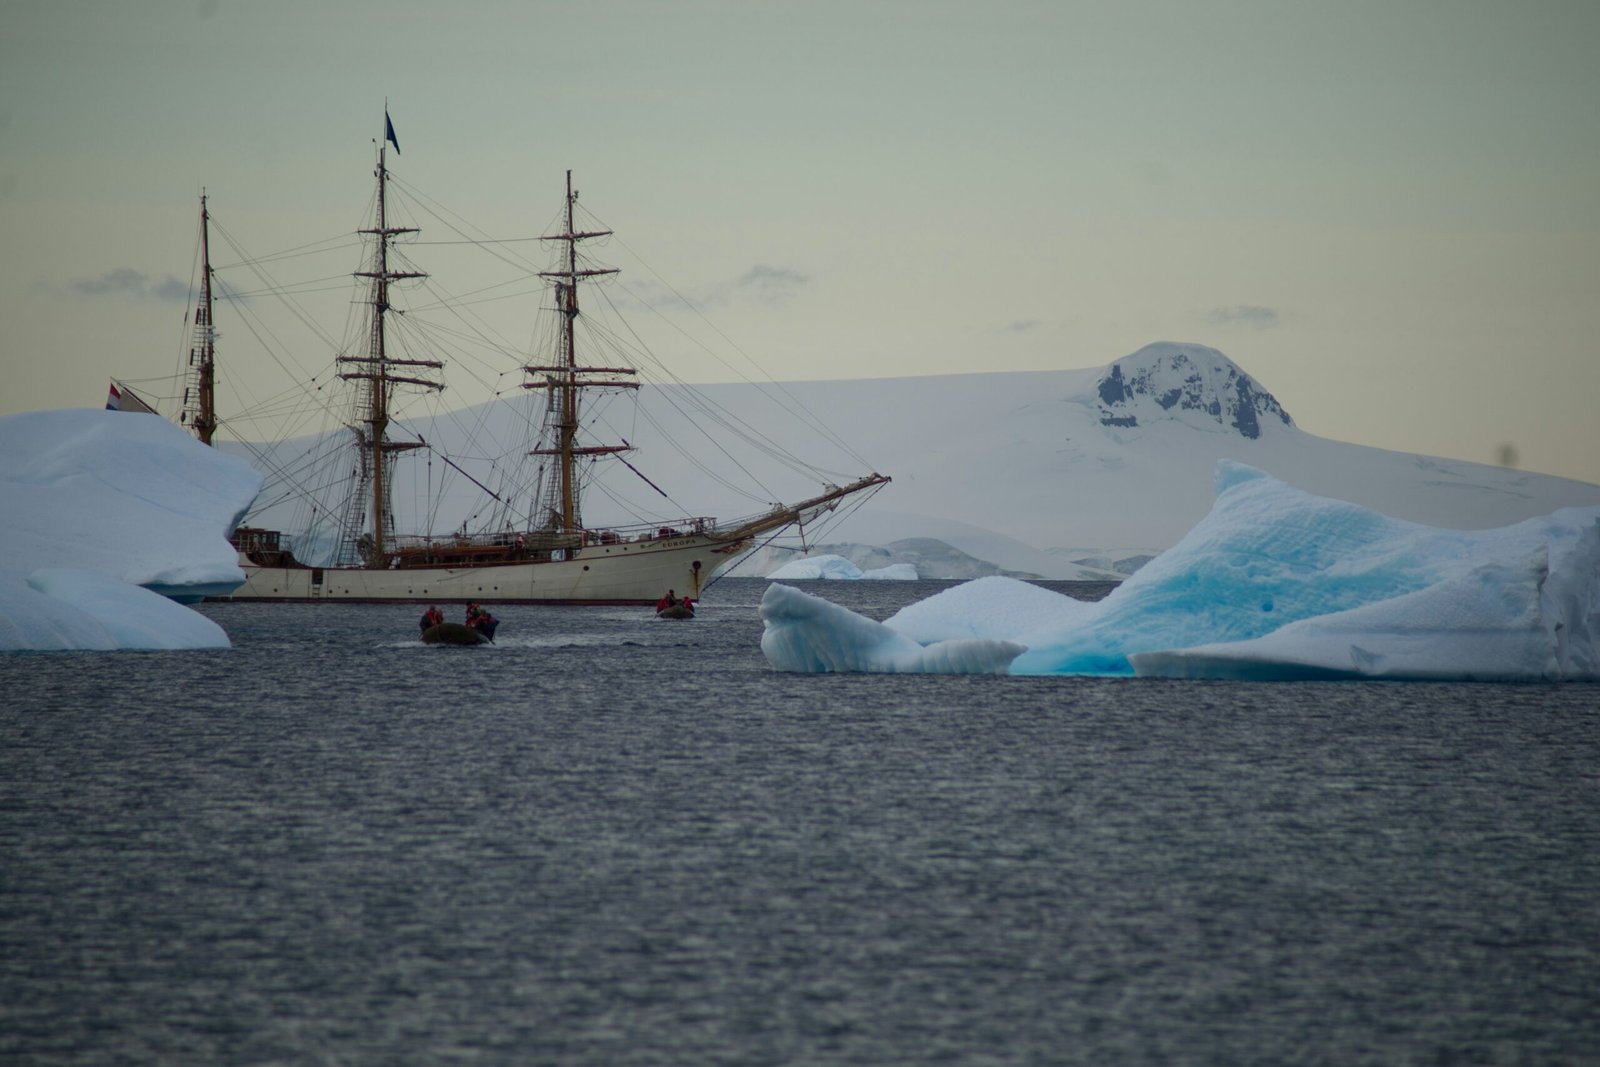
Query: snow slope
{"x": 1045, "y": 459}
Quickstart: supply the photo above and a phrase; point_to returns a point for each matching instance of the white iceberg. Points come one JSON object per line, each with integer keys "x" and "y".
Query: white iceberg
{"x": 57, "y": 609}
{"x": 830, "y": 566}
{"x": 991, "y": 607}
{"x": 807, "y": 634}
{"x": 1277, "y": 583}
{"x": 108, "y": 515}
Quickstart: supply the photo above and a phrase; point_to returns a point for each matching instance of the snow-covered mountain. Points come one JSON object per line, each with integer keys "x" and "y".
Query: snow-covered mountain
{"x": 1116, "y": 460}
{"x": 1188, "y": 383}
{"x": 1032, "y": 471}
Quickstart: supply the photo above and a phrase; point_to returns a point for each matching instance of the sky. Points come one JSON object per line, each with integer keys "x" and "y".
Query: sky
{"x": 1388, "y": 213}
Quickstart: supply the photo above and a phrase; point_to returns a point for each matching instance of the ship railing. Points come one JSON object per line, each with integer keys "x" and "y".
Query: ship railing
{"x": 648, "y": 531}
{"x": 545, "y": 540}
{"x": 539, "y": 539}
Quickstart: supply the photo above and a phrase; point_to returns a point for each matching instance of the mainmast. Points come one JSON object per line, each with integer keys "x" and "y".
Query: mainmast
{"x": 376, "y": 370}
{"x": 566, "y": 377}
{"x": 202, "y": 355}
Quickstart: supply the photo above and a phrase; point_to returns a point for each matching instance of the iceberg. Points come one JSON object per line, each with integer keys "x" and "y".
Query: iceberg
{"x": 112, "y": 518}
{"x": 991, "y": 607}
{"x": 837, "y": 567}
{"x": 1276, "y": 583}
{"x": 804, "y": 633}
{"x": 56, "y": 609}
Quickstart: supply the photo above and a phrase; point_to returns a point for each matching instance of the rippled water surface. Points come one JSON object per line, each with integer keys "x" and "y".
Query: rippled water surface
{"x": 613, "y": 840}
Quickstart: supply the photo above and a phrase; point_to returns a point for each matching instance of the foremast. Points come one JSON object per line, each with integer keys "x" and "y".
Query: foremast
{"x": 379, "y": 372}
{"x": 566, "y": 378}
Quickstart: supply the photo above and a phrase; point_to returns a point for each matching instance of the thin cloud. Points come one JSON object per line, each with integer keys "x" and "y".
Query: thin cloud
{"x": 772, "y": 285}
{"x": 1246, "y": 314}
{"x": 1021, "y": 326}
{"x": 763, "y": 284}
{"x": 173, "y": 291}
{"x": 128, "y": 283}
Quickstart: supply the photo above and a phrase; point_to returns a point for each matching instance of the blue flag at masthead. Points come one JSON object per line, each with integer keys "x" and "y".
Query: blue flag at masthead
{"x": 388, "y": 133}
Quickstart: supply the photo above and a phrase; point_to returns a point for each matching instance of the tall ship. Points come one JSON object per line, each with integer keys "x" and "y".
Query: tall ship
{"x": 529, "y": 537}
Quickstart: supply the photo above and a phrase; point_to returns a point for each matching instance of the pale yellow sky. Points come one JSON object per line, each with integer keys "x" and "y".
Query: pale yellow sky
{"x": 1387, "y": 212}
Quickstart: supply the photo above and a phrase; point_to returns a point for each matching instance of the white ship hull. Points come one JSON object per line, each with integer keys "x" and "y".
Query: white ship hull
{"x": 632, "y": 572}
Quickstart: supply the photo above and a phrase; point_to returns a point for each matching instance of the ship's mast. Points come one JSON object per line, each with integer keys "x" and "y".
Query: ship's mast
{"x": 566, "y": 377}
{"x": 376, "y": 370}
{"x": 202, "y": 355}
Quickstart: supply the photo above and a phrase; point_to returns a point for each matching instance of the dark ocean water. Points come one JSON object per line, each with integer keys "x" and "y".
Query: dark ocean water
{"x": 613, "y": 840}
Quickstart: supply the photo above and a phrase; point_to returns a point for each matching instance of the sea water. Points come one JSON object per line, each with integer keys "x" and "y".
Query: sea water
{"x": 609, "y": 839}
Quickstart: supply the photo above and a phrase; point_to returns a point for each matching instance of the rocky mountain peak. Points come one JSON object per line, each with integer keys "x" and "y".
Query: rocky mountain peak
{"x": 1165, "y": 379}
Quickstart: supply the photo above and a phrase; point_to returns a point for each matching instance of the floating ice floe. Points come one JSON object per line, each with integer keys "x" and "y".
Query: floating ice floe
{"x": 837, "y": 567}
{"x": 109, "y": 518}
{"x": 1273, "y": 584}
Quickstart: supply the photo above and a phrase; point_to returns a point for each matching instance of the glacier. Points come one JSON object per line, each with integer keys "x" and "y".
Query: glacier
{"x": 110, "y": 520}
{"x": 1275, "y": 583}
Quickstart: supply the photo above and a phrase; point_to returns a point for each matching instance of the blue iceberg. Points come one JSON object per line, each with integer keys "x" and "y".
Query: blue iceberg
{"x": 1276, "y": 584}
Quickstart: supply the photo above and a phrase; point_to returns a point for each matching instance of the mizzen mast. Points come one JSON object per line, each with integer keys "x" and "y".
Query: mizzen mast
{"x": 377, "y": 369}
{"x": 566, "y": 378}
{"x": 202, "y": 355}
